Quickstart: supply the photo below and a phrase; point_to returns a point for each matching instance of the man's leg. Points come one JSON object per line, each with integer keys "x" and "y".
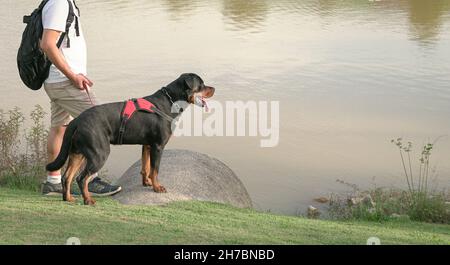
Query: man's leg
{"x": 53, "y": 184}
{"x": 54, "y": 142}
{"x": 59, "y": 118}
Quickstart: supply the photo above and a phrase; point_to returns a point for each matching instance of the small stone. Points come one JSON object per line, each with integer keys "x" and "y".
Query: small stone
{"x": 353, "y": 201}
{"x": 368, "y": 201}
{"x": 322, "y": 200}
{"x": 399, "y": 216}
{"x": 312, "y": 212}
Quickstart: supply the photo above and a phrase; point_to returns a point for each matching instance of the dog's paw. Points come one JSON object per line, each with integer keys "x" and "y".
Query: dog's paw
{"x": 70, "y": 199}
{"x": 147, "y": 183}
{"x": 160, "y": 189}
{"x": 89, "y": 202}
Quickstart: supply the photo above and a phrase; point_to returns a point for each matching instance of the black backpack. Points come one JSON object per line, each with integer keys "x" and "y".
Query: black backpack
{"x": 33, "y": 64}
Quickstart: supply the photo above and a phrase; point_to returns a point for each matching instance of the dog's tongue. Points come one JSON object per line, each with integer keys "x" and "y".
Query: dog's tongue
{"x": 205, "y": 104}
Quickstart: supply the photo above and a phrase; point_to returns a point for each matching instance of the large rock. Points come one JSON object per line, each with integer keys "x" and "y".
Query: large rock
{"x": 186, "y": 175}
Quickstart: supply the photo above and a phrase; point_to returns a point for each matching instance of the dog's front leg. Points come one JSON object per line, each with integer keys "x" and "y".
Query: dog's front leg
{"x": 145, "y": 171}
{"x": 155, "y": 160}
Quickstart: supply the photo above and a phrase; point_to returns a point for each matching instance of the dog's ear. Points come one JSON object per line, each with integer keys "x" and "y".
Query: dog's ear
{"x": 192, "y": 82}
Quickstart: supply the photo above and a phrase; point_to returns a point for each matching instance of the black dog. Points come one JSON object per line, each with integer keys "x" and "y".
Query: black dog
{"x": 88, "y": 137}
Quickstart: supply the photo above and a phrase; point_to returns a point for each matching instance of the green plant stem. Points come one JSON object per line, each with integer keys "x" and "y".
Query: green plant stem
{"x": 410, "y": 171}
{"x": 426, "y": 178}
{"x": 420, "y": 178}
{"x": 406, "y": 172}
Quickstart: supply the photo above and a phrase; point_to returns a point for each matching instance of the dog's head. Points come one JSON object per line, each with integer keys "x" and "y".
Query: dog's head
{"x": 194, "y": 90}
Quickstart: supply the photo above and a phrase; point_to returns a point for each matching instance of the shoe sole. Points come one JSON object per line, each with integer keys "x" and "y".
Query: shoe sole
{"x": 58, "y": 194}
{"x": 106, "y": 193}
{"x": 52, "y": 194}
{"x": 92, "y": 193}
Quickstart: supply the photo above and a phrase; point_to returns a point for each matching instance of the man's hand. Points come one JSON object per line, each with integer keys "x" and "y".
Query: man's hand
{"x": 48, "y": 45}
{"x": 81, "y": 81}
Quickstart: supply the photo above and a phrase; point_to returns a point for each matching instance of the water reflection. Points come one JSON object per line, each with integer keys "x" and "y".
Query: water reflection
{"x": 245, "y": 15}
{"x": 426, "y": 19}
{"x": 179, "y": 9}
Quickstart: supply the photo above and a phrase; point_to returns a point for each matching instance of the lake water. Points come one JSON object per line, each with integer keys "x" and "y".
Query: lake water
{"x": 349, "y": 76}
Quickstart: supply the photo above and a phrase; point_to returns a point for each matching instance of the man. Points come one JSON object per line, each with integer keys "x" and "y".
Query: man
{"x": 67, "y": 86}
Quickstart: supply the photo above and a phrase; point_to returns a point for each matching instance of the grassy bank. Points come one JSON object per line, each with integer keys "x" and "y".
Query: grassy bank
{"x": 28, "y": 218}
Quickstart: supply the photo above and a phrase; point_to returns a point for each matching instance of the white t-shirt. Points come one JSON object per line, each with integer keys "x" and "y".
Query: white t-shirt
{"x": 54, "y": 16}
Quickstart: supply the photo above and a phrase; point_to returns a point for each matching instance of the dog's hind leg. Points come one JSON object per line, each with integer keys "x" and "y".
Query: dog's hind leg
{"x": 75, "y": 162}
{"x": 155, "y": 160}
{"x": 145, "y": 171}
{"x": 94, "y": 162}
{"x": 83, "y": 182}
{"x": 95, "y": 152}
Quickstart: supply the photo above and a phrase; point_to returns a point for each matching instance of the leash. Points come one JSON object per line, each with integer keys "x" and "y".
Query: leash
{"x": 89, "y": 95}
{"x": 162, "y": 114}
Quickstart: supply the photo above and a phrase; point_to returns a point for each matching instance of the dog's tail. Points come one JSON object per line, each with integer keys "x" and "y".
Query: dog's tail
{"x": 65, "y": 148}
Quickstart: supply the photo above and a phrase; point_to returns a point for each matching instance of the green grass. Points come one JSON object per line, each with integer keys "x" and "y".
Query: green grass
{"x": 29, "y": 218}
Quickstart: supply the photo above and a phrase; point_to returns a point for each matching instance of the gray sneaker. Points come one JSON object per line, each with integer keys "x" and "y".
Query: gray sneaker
{"x": 98, "y": 187}
{"x": 50, "y": 189}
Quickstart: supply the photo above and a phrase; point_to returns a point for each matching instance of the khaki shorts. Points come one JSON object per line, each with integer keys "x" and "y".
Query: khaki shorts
{"x": 67, "y": 102}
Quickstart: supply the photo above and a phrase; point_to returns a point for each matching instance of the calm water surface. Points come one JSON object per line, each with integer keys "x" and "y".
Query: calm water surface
{"x": 349, "y": 75}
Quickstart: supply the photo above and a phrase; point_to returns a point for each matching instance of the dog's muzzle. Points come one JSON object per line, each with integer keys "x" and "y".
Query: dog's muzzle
{"x": 201, "y": 102}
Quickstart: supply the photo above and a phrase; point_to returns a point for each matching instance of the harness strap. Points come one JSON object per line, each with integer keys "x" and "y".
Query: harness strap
{"x": 128, "y": 110}
{"x": 130, "y": 107}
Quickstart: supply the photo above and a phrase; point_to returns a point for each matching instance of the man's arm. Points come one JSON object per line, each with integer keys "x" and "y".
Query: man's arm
{"x": 48, "y": 45}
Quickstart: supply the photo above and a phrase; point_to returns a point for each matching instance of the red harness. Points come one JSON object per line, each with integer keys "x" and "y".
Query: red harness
{"x": 131, "y": 106}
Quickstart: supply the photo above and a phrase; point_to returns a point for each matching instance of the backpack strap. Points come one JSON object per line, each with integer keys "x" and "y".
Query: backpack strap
{"x": 26, "y": 19}
{"x": 61, "y": 38}
{"x": 78, "y": 10}
{"x": 70, "y": 18}
{"x": 43, "y": 3}
{"x": 77, "y": 26}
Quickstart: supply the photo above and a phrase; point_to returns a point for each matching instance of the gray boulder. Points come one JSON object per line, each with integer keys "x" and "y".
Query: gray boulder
{"x": 186, "y": 175}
